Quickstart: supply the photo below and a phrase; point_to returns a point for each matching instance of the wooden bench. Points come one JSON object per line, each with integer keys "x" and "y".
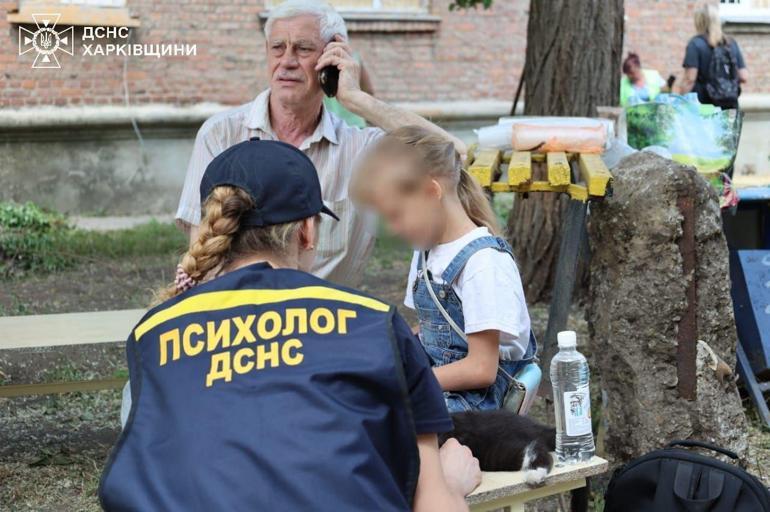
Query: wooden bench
{"x": 507, "y": 488}
{"x": 39, "y": 331}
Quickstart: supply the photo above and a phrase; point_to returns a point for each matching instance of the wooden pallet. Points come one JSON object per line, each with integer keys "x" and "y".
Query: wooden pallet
{"x": 511, "y": 171}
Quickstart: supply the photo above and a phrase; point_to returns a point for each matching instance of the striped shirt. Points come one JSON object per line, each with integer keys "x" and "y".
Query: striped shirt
{"x": 343, "y": 247}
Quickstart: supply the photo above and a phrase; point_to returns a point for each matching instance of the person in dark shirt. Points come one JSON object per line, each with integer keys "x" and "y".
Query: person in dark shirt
{"x": 258, "y": 386}
{"x": 699, "y": 51}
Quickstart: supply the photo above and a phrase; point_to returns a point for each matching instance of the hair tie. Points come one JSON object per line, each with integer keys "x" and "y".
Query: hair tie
{"x": 183, "y": 281}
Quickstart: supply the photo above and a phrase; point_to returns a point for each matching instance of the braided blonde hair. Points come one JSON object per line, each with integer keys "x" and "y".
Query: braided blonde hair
{"x": 222, "y": 239}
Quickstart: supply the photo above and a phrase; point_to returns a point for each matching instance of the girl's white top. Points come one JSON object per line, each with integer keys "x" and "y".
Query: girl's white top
{"x": 489, "y": 287}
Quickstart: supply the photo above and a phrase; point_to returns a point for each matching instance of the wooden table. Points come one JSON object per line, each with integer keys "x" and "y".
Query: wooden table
{"x": 508, "y": 489}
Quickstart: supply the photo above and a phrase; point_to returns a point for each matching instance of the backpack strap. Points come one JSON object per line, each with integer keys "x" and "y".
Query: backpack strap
{"x": 445, "y": 313}
{"x": 436, "y": 302}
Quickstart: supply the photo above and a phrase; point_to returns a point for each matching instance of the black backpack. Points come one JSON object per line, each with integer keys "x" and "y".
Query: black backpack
{"x": 678, "y": 480}
{"x": 722, "y": 78}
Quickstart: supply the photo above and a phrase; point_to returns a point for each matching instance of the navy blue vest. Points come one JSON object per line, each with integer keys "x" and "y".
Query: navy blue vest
{"x": 265, "y": 390}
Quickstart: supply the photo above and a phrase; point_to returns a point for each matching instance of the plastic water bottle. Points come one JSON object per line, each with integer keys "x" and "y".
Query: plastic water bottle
{"x": 572, "y": 401}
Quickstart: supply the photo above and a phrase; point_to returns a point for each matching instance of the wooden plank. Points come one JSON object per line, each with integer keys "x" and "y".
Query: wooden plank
{"x": 67, "y": 329}
{"x": 501, "y": 484}
{"x": 486, "y": 166}
{"x": 49, "y": 388}
{"x": 520, "y": 168}
{"x": 595, "y": 174}
{"x": 530, "y": 186}
{"x": 518, "y": 502}
{"x": 577, "y": 192}
{"x": 500, "y": 186}
{"x": 558, "y": 169}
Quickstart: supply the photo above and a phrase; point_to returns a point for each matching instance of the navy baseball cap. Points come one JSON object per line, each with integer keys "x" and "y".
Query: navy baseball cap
{"x": 280, "y": 178}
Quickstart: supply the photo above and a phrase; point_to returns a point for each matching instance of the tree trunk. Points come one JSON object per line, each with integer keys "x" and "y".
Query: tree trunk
{"x": 572, "y": 66}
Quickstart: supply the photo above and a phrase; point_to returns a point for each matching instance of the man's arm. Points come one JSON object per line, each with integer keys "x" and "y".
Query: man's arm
{"x": 445, "y": 477}
{"x": 366, "y": 80}
{"x": 376, "y": 112}
{"x": 389, "y": 117}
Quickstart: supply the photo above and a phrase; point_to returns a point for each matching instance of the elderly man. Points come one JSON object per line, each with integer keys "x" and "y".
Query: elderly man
{"x": 303, "y": 37}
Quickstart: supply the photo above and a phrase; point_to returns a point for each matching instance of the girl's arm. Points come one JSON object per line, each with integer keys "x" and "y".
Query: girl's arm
{"x": 478, "y": 369}
{"x": 690, "y": 76}
{"x": 435, "y": 491}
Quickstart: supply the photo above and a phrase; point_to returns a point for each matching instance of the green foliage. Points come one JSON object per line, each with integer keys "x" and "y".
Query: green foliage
{"x": 32, "y": 239}
{"x": 28, "y": 237}
{"x": 502, "y": 204}
{"x": 467, "y": 4}
{"x": 649, "y": 125}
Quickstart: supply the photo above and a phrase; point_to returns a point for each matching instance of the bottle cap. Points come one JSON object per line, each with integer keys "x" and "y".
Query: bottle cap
{"x": 567, "y": 339}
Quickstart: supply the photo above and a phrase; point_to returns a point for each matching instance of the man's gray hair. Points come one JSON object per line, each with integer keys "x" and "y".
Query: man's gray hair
{"x": 329, "y": 20}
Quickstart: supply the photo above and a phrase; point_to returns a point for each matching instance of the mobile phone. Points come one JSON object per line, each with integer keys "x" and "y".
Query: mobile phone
{"x": 670, "y": 81}
{"x": 329, "y": 78}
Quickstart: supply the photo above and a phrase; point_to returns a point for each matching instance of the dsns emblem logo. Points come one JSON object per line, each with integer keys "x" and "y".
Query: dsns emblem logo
{"x": 46, "y": 41}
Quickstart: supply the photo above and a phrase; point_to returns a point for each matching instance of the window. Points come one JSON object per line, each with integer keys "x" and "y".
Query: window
{"x": 745, "y": 11}
{"x": 374, "y": 6}
{"x": 94, "y": 13}
{"x": 380, "y": 5}
{"x": 381, "y": 15}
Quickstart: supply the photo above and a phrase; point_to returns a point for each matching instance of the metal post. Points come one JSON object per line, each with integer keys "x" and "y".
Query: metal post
{"x": 687, "y": 332}
{"x": 572, "y": 234}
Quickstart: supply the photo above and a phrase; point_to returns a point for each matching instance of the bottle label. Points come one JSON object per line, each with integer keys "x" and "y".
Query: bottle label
{"x": 577, "y": 411}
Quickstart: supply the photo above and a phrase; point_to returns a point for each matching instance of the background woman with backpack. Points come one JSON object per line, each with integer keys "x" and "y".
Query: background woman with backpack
{"x": 714, "y": 65}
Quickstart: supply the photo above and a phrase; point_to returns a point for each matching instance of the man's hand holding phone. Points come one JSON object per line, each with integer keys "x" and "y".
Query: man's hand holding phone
{"x": 337, "y": 54}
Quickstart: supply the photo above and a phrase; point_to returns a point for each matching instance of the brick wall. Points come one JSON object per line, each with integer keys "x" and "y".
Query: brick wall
{"x": 471, "y": 55}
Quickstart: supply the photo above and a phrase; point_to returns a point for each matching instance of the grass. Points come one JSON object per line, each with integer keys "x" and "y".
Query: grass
{"x": 33, "y": 239}
{"x": 153, "y": 238}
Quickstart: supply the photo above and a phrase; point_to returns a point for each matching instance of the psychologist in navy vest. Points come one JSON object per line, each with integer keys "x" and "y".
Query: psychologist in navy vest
{"x": 257, "y": 386}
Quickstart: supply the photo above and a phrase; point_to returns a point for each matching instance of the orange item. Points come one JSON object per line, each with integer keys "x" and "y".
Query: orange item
{"x": 573, "y": 138}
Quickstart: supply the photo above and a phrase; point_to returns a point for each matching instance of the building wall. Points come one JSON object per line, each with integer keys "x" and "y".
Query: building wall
{"x": 471, "y": 55}
{"x": 95, "y": 163}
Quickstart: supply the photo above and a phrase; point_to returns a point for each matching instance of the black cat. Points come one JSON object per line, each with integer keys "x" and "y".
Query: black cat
{"x": 504, "y": 441}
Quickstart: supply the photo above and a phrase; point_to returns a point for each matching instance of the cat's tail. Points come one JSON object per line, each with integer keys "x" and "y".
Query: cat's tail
{"x": 537, "y": 462}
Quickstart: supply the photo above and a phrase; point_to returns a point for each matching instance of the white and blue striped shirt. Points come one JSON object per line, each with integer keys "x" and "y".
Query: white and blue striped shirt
{"x": 345, "y": 246}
